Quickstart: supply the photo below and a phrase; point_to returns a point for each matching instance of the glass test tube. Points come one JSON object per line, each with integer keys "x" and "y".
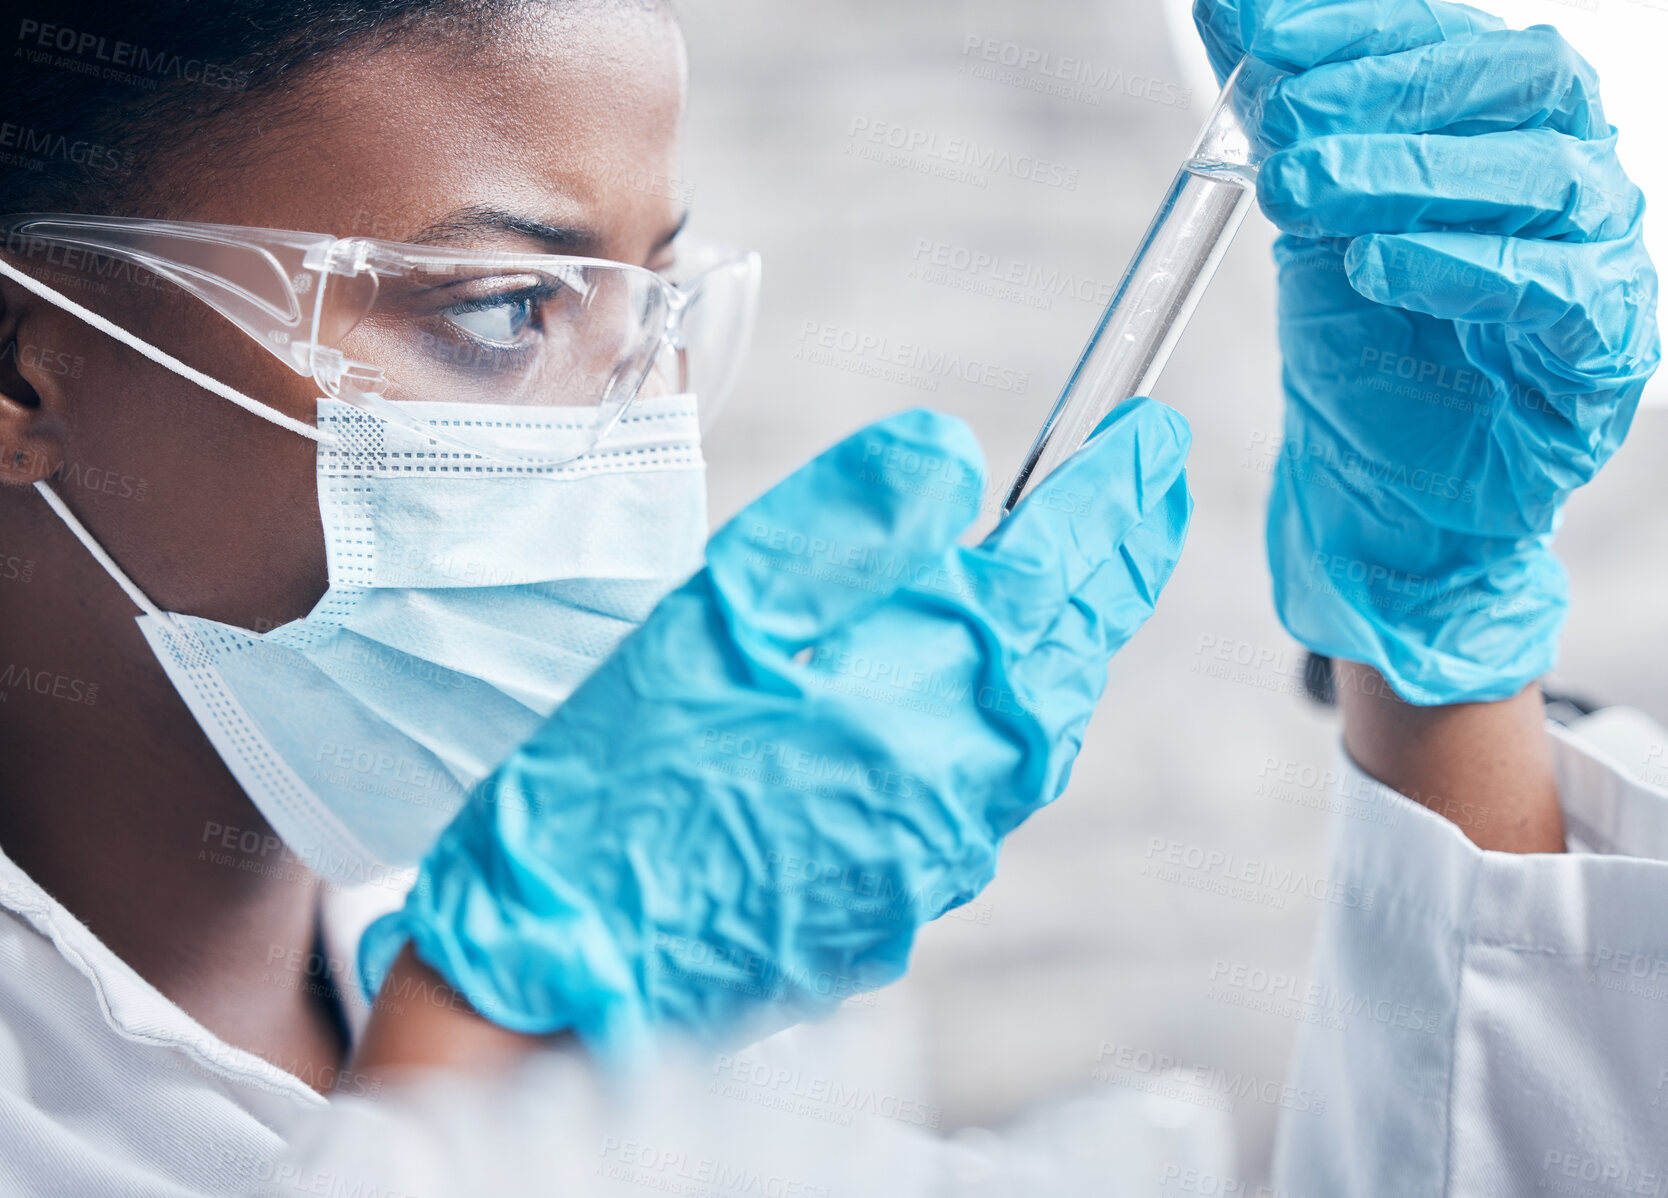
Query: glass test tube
{"x": 1172, "y": 266}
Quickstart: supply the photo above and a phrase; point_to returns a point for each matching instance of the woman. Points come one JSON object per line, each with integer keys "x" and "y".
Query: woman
{"x": 352, "y": 608}
{"x": 221, "y": 517}
{"x": 356, "y": 608}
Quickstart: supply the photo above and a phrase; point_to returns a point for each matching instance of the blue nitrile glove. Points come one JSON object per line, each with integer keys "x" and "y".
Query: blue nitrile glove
{"x": 1467, "y": 317}
{"x": 811, "y": 748}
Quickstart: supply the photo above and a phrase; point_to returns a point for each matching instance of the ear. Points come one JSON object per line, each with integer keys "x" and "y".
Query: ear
{"x": 31, "y": 392}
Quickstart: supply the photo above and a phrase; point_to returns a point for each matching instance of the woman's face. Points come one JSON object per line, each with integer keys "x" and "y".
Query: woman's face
{"x": 539, "y": 144}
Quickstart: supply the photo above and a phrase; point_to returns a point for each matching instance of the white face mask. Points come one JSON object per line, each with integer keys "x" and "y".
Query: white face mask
{"x": 465, "y": 602}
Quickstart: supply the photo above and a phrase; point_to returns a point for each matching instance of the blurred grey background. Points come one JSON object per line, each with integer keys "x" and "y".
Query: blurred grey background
{"x": 1203, "y": 738}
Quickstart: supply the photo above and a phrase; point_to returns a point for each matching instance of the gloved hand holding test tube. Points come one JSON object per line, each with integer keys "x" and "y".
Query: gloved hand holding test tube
{"x": 1203, "y": 209}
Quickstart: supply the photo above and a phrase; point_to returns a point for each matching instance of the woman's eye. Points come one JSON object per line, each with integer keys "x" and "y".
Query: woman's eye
{"x": 500, "y": 319}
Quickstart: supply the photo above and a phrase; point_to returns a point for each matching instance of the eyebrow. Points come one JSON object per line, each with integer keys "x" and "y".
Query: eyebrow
{"x": 455, "y": 226}
{"x": 558, "y": 239}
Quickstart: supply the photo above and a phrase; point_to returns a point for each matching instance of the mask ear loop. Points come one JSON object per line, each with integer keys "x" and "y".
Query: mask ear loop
{"x": 99, "y": 555}
{"x": 165, "y": 360}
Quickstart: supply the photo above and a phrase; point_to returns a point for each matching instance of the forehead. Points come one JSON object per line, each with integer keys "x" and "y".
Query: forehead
{"x": 568, "y": 116}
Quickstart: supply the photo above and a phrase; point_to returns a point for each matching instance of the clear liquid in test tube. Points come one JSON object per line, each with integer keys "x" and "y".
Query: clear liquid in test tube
{"x": 1194, "y": 225}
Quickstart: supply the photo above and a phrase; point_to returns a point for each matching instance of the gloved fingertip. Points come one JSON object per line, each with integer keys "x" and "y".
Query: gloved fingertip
{"x": 1217, "y": 22}
{"x": 1180, "y": 431}
{"x": 1282, "y": 189}
{"x": 1104, "y": 529}
{"x": 1148, "y": 412}
{"x": 1216, "y": 17}
{"x": 899, "y": 450}
{"x": 1251, "y": 19}
{"x": 1299, "y": 34}
{"x": 1156, "y": 434}
{"x": 1457, "y": 19}
{"x": 1364, "y": 268}
{"x": 862, "y": 512}
{"x": 1154, "y": 548}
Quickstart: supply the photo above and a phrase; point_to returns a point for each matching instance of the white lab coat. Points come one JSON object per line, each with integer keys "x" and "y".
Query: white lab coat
{"x": 1489, "y": 1031}
{"x": 1510, "y": 1026}
{"x": 106, "y": 1087}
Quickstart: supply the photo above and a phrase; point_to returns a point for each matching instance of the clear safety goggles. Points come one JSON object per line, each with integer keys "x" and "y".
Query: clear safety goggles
{"x": 386, "y": 326}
